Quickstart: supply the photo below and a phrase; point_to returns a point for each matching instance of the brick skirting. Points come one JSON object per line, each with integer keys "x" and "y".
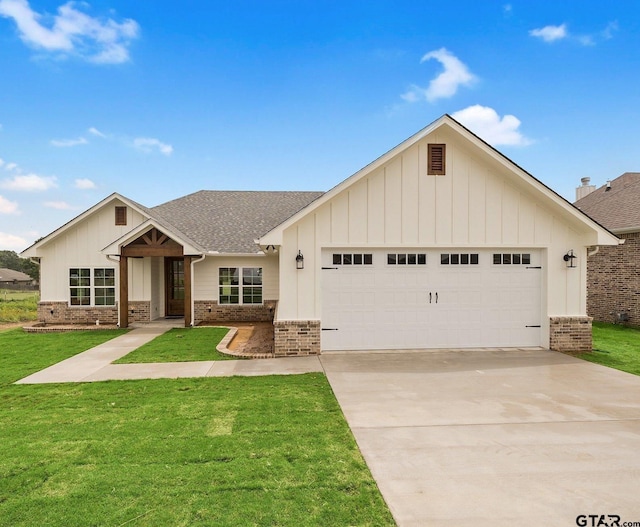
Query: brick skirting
{"x": 296, "y": 337}
{"x": 210, "y": 311}
{"x": 570, "y": 334}
{"x": 63, "y": 313}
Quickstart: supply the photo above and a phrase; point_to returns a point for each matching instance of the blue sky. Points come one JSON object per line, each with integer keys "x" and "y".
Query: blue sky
{"x": 155, "y": 100}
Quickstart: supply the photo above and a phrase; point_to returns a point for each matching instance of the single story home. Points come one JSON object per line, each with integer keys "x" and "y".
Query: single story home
{"x": 11, "y": 279}
{"x": 613, "y": 272}
{"x": 441, "y": 242}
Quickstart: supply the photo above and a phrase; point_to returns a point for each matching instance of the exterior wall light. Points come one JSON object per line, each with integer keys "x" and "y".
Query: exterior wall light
{"x": 570, "y": 259}
{"x": 299, "y": 261}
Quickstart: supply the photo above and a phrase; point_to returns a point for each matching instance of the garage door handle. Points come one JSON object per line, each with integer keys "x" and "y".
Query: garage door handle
{"x": 532, "y": 326}
{"x": 436, "y": 298}
{"x": 329, "y": 329}
{"x": 327, "y": 268}
{"x": 429, "y": 297}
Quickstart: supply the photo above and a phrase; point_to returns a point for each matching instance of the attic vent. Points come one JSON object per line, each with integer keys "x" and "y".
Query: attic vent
{"x": 121, "y": 215}
{"x": 436, "y": 160}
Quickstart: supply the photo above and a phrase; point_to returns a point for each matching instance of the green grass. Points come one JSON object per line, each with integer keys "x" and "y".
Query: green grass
{"x": 249, "y": 451}
{"x": 615, "y": 346}
{"x": 18, "y": 306}
{"x": 180, "y": 345}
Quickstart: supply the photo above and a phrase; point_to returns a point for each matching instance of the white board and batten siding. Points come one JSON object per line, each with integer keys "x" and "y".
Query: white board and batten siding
{"x": 80, "y": 246}
{"x": 479, "y": 204}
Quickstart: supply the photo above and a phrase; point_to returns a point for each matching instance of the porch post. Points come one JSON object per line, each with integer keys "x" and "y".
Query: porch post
{"x": 124, "y": 292}
{"x": 187, "y": 291}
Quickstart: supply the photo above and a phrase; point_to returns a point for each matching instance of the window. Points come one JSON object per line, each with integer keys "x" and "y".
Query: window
{"x": 82, "y": 289}
{"x": 436, "y": 162}
{"x": 240, "y": 285}
{"x": 459, "y": 259}
{"x": 512, "y": 259}
{"x": 121, "y": 215}
{"x": 406, "y": 259}
{"x": 352, "y": 259}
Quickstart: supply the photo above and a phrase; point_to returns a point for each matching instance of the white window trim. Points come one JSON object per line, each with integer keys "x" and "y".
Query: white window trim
{"x": 92, "y": 288}
{"x": 240, "y": 286}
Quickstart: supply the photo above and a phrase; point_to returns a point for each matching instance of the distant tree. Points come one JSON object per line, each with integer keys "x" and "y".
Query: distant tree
{"x": 11, "y": 260}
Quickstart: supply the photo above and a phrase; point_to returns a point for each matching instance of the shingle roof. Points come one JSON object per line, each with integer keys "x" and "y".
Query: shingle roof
{"x": 9, "y": 275}
{"x": 231, "y": 221}
{"x": 617, "y": 208}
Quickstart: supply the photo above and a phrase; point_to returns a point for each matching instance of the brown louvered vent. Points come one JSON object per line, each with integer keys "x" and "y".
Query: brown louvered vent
{"x": 121, "y": 215}
{"x": 436, "y": 159}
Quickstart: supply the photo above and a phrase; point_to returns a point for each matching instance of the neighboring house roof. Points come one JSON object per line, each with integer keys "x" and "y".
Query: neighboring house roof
{"x": 603, "y": 236}
{"x": 231, "y": 221}
{"x": 617, "y": 208}
{"x": 9, "y": 275}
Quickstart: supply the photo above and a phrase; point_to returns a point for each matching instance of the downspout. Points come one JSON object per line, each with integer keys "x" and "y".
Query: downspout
{"x": 110, "y": 257}
{"x": 594, "y": 252}
{"x": 193, "y": 309}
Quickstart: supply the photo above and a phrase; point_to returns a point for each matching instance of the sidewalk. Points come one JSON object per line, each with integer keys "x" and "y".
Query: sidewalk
{"x": 95, "y": 363}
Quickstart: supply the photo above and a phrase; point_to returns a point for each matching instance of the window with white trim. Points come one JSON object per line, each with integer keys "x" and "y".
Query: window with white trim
{"x": 89, "y": 287}
{"x": 240, "y": 285}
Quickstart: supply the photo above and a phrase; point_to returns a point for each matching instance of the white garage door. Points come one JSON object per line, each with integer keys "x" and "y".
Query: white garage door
{"x": 402, "y": 299}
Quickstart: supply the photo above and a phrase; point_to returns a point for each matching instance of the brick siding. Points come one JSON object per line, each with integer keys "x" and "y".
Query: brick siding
{"x": 209, "y": 311}
{"x": 613, "y": 278}
{"x": 296, "y": 337}
{"x": 570, "y": 334}
{"x": 63, "y": 313}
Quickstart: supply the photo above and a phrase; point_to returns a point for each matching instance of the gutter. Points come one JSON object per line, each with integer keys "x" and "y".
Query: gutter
{"x": 192, "y": 307}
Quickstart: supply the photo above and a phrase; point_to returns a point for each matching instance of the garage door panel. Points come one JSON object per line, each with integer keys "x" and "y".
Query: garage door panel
{"x": 382, "y": 306}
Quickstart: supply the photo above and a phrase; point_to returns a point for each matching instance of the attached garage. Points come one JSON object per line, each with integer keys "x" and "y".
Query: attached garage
{"x": 442, "y": 242}
{"x": 418, "y": 298}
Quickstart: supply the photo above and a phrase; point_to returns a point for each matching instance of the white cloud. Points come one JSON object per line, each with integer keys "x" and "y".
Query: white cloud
{"x": 487, "y": 124}
{"x": 1, "y": 162}
{"x": 10, "y": 242}
{"x": 149, "y": 144}
{"x": 73, "y": 32}
{"x": 96, "y": 132}
{"x": 550, "y": 33}
{"x": 58, "y": 205}
{"x": 62, "y": 143}
{"x": 11, "y": 166}
{"x": 607, "y": 32}
{"x": 446, "y": 84}
{"x": 29, "y": 183}
{"x": 8, "y": 207}
{"x": 84, "y": 184}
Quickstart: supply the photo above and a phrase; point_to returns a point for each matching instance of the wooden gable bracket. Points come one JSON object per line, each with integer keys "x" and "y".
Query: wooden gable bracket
{"x": 153, "y": 243}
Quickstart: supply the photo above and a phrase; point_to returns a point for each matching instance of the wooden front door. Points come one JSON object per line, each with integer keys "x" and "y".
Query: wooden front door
{"x": 174, "y": 287}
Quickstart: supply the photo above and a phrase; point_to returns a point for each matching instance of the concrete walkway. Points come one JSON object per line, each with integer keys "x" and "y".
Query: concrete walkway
{"x": 95, "y": 363}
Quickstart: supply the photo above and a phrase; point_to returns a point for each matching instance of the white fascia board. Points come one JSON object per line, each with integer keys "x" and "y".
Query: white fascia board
{"x": 32, "y": 251}
{"x": 115, "y": 247}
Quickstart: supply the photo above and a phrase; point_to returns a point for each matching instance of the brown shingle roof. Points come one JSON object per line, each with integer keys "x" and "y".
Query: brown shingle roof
{"x": 9, "y": 275}
{"x": 231, "y": 221}
{"x": 617, "y": 208}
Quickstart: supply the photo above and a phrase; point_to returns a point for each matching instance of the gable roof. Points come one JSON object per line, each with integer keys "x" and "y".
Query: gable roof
{"x": 32, "y": 250}
{"x": 230, "y": 221}
{"x": 604, "y": 237}
{"x": 618, "y": 208}
{"x": 9, "y": 275}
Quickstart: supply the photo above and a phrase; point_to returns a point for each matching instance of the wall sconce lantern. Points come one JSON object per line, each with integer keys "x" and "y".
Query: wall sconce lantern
{"x": 299, "y": 261}
{"x": 570, "y": 259}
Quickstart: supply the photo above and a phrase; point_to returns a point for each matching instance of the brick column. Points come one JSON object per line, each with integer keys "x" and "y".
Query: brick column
{"x": 570, "y": 333}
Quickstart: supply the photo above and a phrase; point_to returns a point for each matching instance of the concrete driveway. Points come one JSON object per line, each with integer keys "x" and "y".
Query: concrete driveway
{"x": 494, "y": 438}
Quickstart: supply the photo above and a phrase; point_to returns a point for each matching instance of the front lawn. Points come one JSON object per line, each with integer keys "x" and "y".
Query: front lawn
{"x": 272, "y": 451}
{"x": 615, "y": 346}
{"x": 180, "y": 345}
